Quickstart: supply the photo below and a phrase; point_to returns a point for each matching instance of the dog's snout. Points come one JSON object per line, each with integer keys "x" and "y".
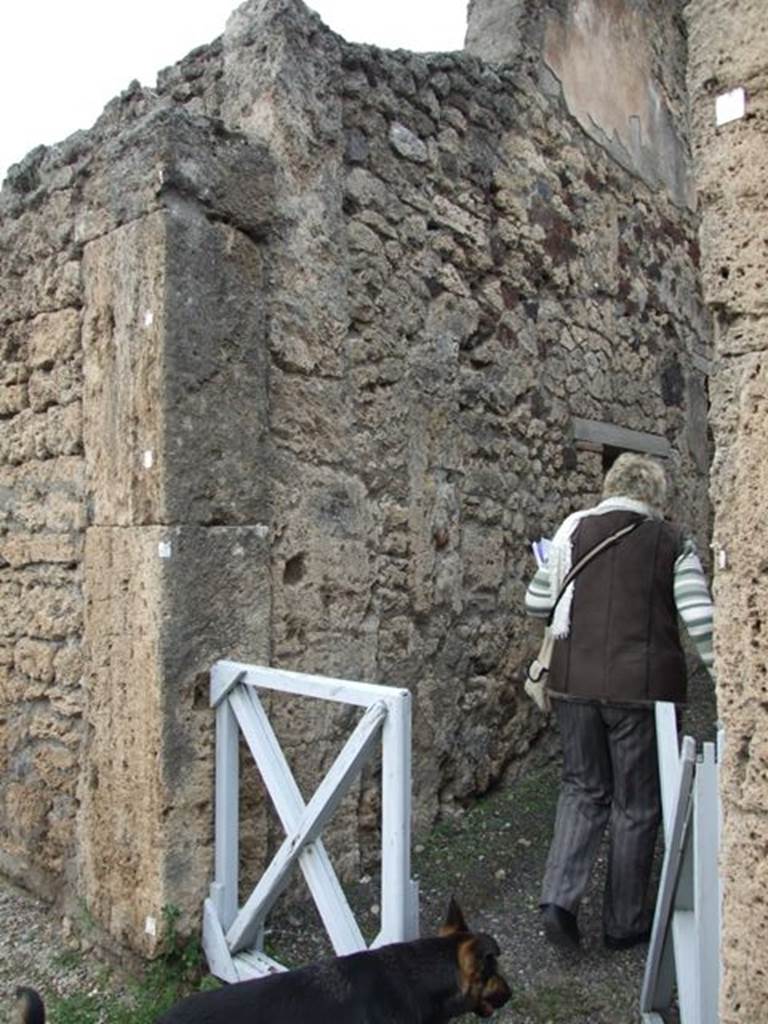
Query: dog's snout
{"x": 497, "y": 992}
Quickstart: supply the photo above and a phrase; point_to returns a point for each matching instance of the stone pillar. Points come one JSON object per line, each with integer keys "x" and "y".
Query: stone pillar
{"x": 177, "y": 551}
{"x": 284, "y": 83}
{"x": 727, "y": 51}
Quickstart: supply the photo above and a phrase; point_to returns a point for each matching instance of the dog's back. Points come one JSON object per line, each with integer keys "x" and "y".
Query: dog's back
{"x": 394, "y": 983}
{"x": 427, "y": 981}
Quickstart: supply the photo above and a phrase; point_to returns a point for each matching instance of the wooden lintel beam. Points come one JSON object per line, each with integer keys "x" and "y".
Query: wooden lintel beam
{"x": 594, "y": 432}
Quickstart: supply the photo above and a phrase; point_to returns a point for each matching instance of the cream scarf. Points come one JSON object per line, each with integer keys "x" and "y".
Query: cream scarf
{"x": 561, "y": 555}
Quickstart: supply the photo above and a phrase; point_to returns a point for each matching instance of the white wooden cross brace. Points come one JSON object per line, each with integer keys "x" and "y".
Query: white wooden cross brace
{"x": 668, "y": 951}
{"x": 685, "y": 941}
{"x": 302, "y": 823}
{"x": 706, "y": 899}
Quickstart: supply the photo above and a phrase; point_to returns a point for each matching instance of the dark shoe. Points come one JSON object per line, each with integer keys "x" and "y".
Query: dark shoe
{"x": 560, "y": 926}
{"x": 627, "y": 941}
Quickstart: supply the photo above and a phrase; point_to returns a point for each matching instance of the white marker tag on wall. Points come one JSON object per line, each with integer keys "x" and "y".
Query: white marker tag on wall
{"x": 148, "y": 459}
{"x": 149, "y": 318}
{"x": 164, "y": 549}
{"x": 730, "y": 106}
{"x": 150, "y": 926}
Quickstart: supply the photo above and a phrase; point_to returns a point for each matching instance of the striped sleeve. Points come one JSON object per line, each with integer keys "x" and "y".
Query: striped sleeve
{"x": 693, "y": 602}
{"x": 538, "y": 597}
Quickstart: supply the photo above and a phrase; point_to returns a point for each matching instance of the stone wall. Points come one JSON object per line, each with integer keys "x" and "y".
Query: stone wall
{"x": 729, "y": 49}
{"x": 345, "y": 326}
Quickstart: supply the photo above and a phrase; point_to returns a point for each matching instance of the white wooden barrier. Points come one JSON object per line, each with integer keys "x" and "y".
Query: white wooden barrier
{"x": 232, "y": 936}
{"x": 684, "y": 951}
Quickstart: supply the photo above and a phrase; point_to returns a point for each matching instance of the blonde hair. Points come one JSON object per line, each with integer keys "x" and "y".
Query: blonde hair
{"x": 638, "y": 477}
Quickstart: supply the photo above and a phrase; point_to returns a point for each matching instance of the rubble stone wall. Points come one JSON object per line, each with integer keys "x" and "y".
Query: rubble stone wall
{"x": 729, "y": 50}
{"x": 338, "y": 318}
{"x": 43, "y": 515}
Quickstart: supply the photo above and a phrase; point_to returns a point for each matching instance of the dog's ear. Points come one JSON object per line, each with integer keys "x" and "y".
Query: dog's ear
{"x": 454, "y": 920}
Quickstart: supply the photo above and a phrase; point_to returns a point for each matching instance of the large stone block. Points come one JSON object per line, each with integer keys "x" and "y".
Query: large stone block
{"x": 52, "y": 338}
{"x": 50, "y": 602}
{"x": 42, "y": 435}
{"x": 20, "y": 549}
{"x": 175, "y": 371}
{"x": 188, "y": 155}
{"x": 43, "y": 496}
{"x": 215, "y": 451}
{"x": 287, "y": 91}
{"x": 120, "y": 837}
{"x": 162, "y": 604}
{"x": 741, "y": 591}
{"x": 124, "y": 275}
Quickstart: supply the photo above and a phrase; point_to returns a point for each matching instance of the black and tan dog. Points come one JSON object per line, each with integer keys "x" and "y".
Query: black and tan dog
{"x": 427, "y": 981}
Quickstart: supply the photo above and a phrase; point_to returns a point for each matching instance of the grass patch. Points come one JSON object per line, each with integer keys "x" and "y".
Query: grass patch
{"x": 68, "y": 959}
{"x": 141, "y": 1003}
{"x": 564, "y": 1001}
{"x": 550, "y": 1004}
{"x": 506, "y": 829}
{"x": 178, "y": 971}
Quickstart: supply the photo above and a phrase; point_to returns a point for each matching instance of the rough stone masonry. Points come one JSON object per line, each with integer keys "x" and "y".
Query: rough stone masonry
{"x": 729, "y": 51}
{"x": 301, "y": 349}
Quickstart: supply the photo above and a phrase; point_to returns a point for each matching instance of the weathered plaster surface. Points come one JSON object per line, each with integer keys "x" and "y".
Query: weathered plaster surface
{"x": 619, "y": 65}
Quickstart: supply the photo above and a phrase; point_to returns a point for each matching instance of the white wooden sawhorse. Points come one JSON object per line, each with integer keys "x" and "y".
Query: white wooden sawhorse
{"x": 684, "y": 950}
{"x": 232, "y": 936}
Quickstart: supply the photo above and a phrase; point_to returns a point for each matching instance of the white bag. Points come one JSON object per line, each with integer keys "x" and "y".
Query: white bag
{"x": 538, "y": 672}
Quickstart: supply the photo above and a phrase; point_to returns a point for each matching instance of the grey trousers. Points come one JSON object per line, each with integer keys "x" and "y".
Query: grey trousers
{"x": 610, "y": 776}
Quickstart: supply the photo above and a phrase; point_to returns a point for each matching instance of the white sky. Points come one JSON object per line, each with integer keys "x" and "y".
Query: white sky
{"x": 63, "y": 60}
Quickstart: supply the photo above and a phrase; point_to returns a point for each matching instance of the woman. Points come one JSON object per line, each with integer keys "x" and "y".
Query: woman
{"x": 617, "y": 651}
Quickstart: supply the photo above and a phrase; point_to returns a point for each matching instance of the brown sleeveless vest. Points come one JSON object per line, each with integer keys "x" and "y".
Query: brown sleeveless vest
{"x": 623, "y": 645}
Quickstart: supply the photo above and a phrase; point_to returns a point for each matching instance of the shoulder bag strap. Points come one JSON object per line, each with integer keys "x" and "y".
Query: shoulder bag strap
{"x": 592, "y": 553}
